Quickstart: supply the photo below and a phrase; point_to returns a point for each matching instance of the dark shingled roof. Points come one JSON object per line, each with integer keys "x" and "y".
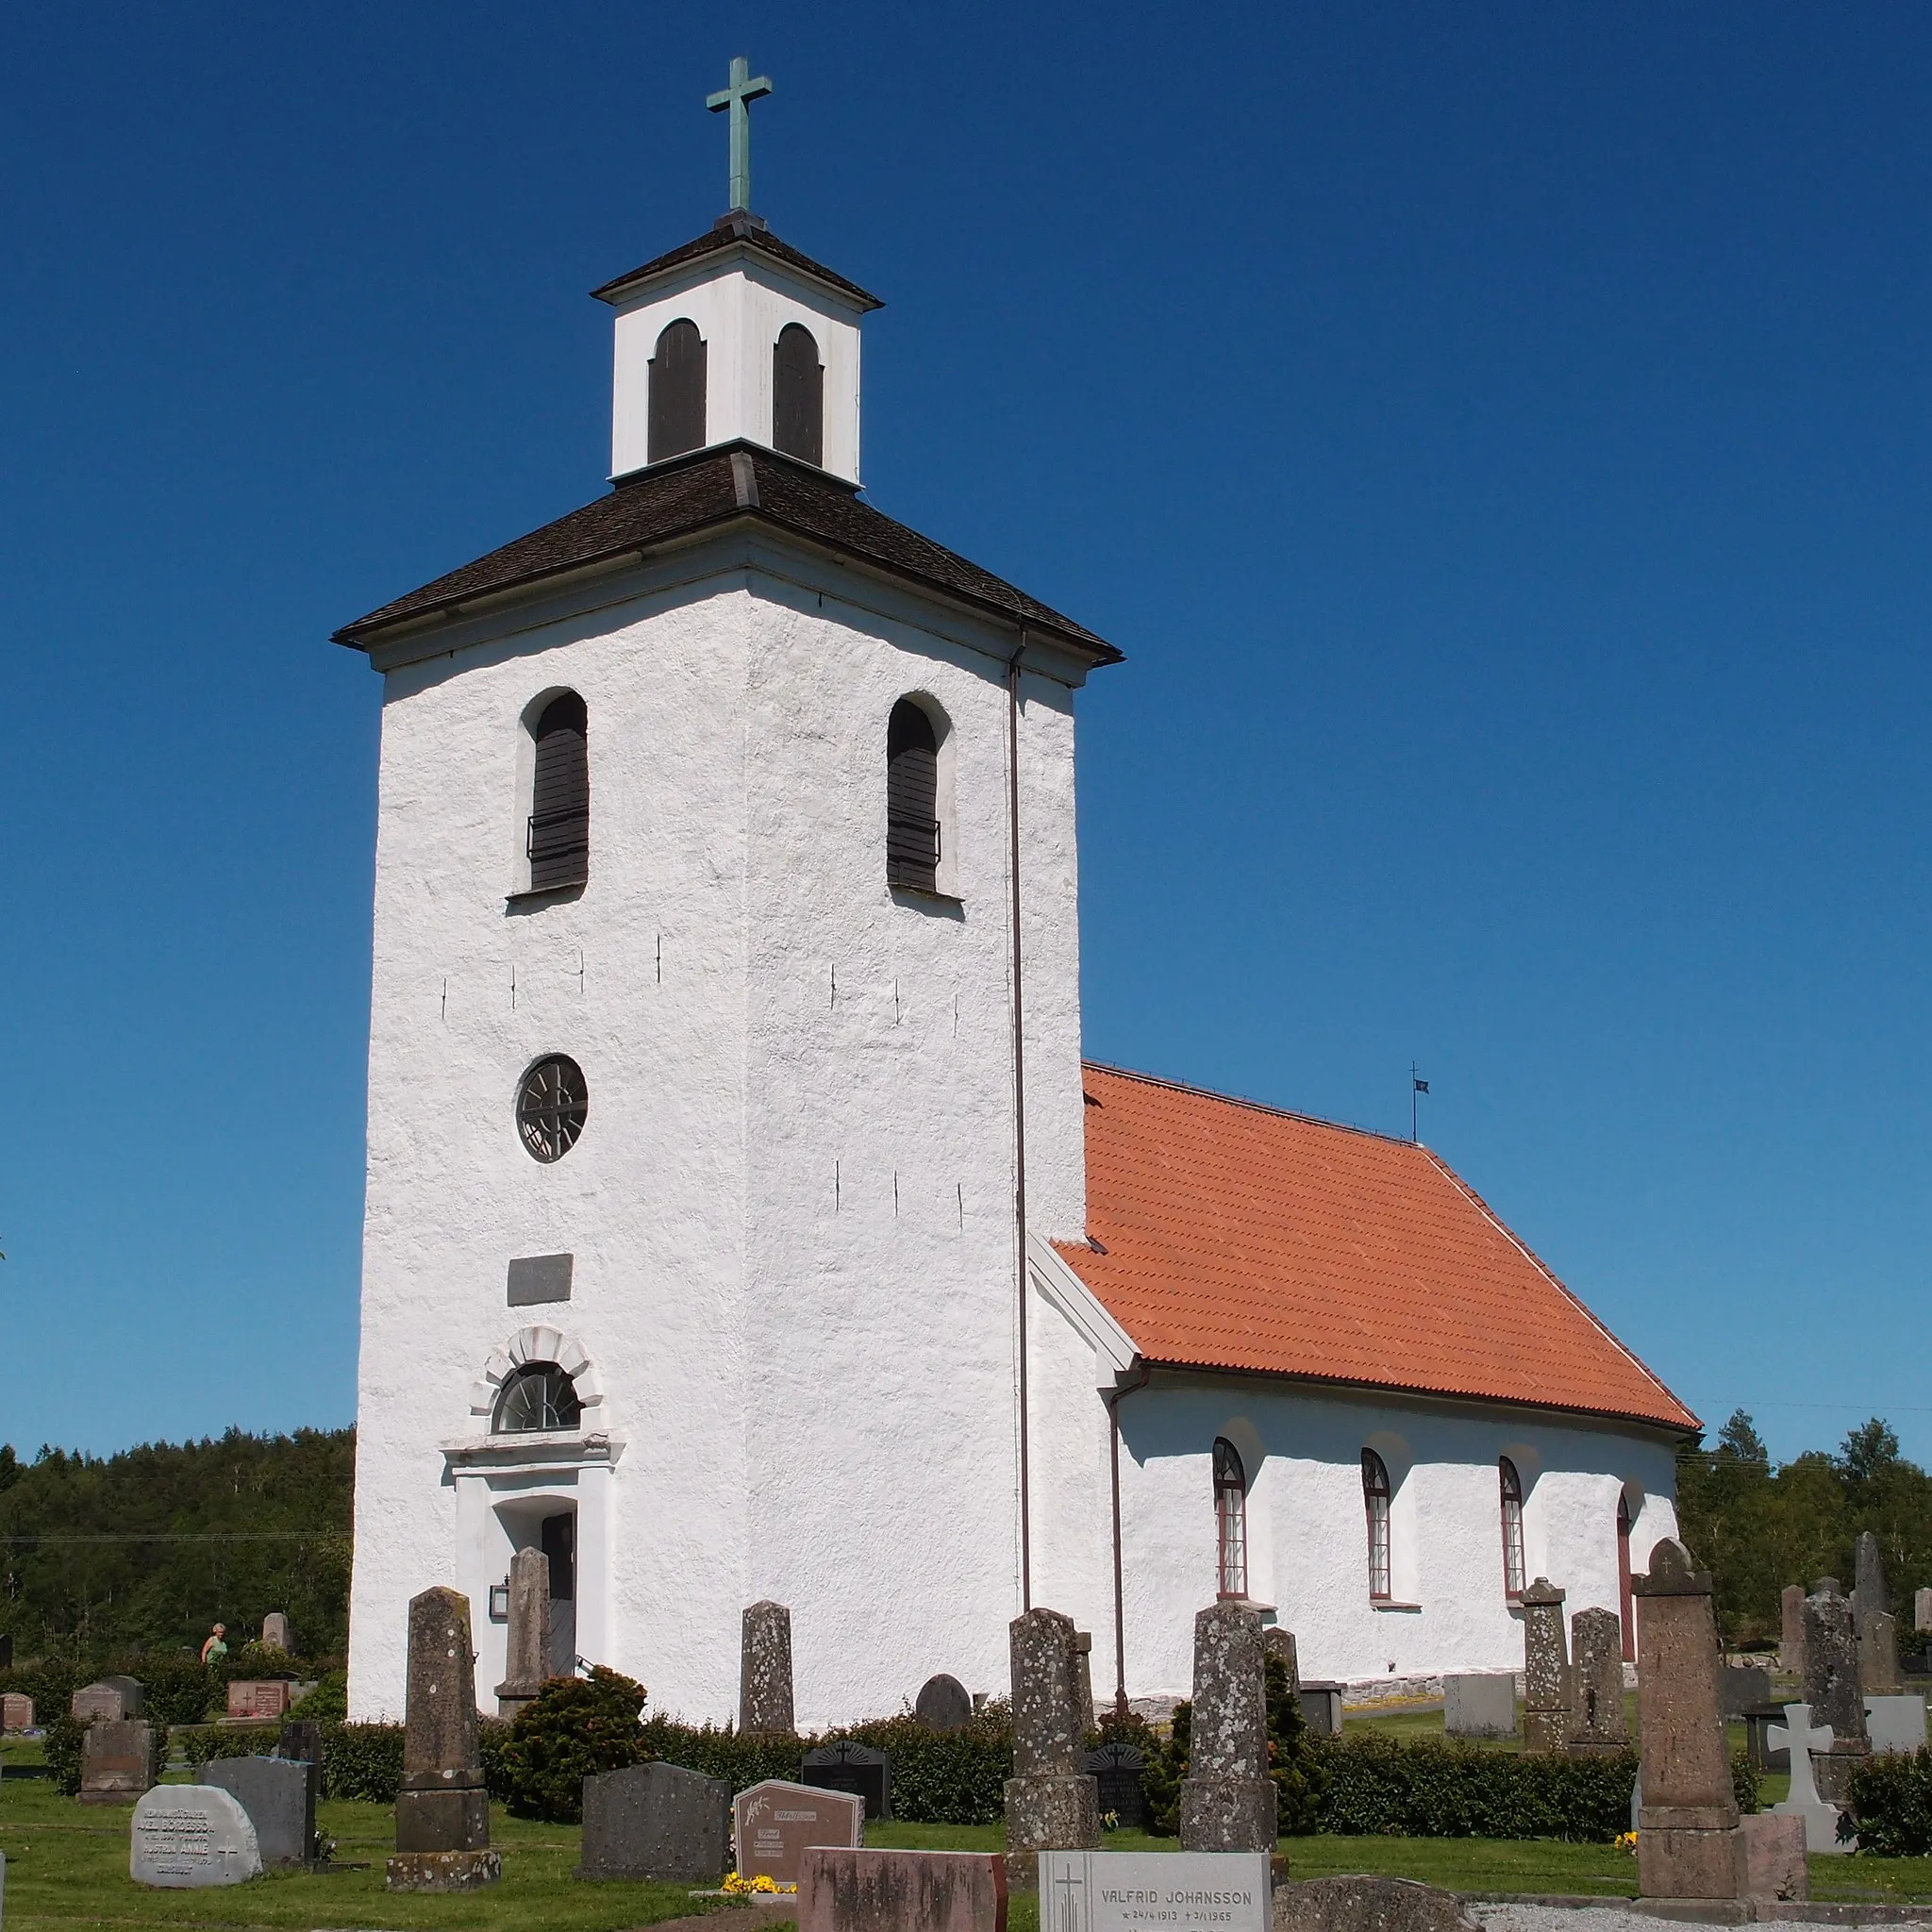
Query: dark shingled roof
{"x": 727, "y": 232}
{"x": 677, "y": 499}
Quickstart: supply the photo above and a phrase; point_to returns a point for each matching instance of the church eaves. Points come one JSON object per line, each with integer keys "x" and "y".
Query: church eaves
{"x": 735, "y": 230}
{"x": 1231, "y": 1236}
{"x": 710, "y": 489}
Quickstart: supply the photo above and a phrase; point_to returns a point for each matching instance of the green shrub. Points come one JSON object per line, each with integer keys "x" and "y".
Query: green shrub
{"x": 362, "y": 1761}
{"x": 179, "y": 1691}
{"x": 1161, "y": 1773}
{"x": 203, "y": 1743}
{"x": 328, "y": 1702}
{"x": 1892, "y": 1803}
{"x": 62, "y": 1746}
{"x": 574, "y": 1728}
{"x": 739, "y": 1758}
{"x": 1744, "y": 1784}
{"x": 1429, "y": 1788}
{"x": 943, "y": 1778}
{"x": 1297, "y": 1767}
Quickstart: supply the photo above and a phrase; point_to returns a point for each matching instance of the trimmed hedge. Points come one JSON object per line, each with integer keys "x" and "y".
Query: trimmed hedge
{"x": 1891, "y": 1802}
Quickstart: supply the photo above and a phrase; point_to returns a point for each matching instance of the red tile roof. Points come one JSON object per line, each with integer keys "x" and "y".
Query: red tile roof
{"x": 1239, "y": 1237}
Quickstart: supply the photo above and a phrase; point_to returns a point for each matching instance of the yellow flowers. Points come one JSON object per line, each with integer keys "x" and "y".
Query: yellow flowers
{"x": 1626, "y": 1841}
{"x": 737, "y": 1885}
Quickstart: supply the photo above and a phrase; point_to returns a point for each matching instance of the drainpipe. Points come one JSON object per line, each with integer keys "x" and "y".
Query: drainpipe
{"x": 1019, "y": 1110}
{"x": 1119, "y": 1610}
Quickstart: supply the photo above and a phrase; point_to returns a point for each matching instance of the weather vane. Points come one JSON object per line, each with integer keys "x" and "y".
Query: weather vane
{"x": 738, "y": 97}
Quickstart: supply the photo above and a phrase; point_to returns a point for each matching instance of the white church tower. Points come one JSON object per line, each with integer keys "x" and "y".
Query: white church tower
{"x": 690, "y": 1248}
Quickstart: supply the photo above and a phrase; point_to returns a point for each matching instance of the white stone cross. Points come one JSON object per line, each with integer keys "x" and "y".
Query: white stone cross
{"x": 1797, "y": 1735}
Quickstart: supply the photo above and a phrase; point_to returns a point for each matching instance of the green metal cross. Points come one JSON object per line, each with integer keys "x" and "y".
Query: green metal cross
{"x": 738, "y": 97}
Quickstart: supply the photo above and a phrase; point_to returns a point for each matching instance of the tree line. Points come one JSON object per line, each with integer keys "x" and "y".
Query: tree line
{"x": 1756, "y": 1527}
{"x": 149, "y": 1548}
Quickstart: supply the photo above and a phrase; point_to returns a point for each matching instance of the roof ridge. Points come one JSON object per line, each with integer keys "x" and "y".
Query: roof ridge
{"x": 1283, "y": 1113}
{"x": 1563, "y": 1288}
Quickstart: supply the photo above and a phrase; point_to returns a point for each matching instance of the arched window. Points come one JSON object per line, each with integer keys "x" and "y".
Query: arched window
{"x": 1625, "y": 1609}
{"x": 677, "y": 393}
{"x": 798, "y": 396}
{"x": 558, "y": 842}
{"x": 913, "y": 787}
{"x": 1513, "y": 1528}
{"x": 1230, "y": 1519}
{"x": 1376, "y": 1501}
{"x": 539, "y": 1396}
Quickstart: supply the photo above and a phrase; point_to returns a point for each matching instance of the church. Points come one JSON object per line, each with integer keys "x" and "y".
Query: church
{"x": 743, "y": 1219}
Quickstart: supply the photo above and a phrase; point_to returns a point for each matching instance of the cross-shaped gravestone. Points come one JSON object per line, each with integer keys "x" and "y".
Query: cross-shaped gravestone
{"x": 1802, "y": 1737}
{"x": 738, "y": 97}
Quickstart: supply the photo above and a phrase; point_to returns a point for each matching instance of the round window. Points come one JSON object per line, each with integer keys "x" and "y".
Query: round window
{"x": 539, "y": 1396}
{"x": 551, "y": 1104}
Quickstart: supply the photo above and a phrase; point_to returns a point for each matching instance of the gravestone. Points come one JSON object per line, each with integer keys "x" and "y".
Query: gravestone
{"x": 1802, "y": 1739}
{"x": 775, "y": 1824}
{"x": 16, "y": 1712}
{"x": 526, "y": 1645}
{"x": 1791, "y": 1648}
{"x": 1742, "y": 1687}
{"x": 1757, "y": 1748}
{"x": 274, "y": 1631}
{"x": 1050, "y": 1803}
{"x": 1922, "y": 1612}
{"x": 1870, "y": 1597}
{"x": 944, "y": 1705}
{"x": 112, "y": 1698}
{"x": 764, "y": 1672}
{"x": 442, "y": 1811}
{"x": 1281, "y": 1644}
{"x": 655, "y": 1821}
{"x": 1771, "y": 1861}
{"x": 1895, "y": 1725}
{"x": 1831, "y": 1688}
{"x": 1363, "y": 1904}
{"x": 1597, "y": 1721}
{"x": 6, "y": 1650}
{"x": 1686, "y": 1832}
{"x": 301, "y": 1744}
{"x": 1546, "y": 1671}
{"x": 1116, "y": 1769}
{"x": 256, "y": 1700}
{"x": 1878, "y": 1655}
{"x": 902, "y": 1892}
{"x": 1479, "y": 1703}
{"x": 1130, "y": 1891}
{"x": 1322, "y": 1706}
{"x": 1083, "y": 1649}
{"x": 184, "y": 1837}
{"x": 856, "y": 1768}
{"x": 118, "y": 1761}
{"x": 1227, "y": 1798}
{"x": 279, "y": 1799}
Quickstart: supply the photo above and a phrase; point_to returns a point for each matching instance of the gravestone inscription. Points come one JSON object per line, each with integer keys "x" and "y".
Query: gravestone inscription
{"x": 1128, "y": 1891}
{"x": 16, "y": 1712}
{"x": 775, "y": 1824}
{"x": 256, "y": 1700}
{"x": 184, "y": 1837}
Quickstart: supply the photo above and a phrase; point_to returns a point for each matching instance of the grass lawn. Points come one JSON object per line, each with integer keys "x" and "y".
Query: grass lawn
{"x": 67, "y": 1866}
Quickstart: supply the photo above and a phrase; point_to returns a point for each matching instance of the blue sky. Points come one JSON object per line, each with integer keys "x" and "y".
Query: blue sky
{"x": 1498, "y": 437}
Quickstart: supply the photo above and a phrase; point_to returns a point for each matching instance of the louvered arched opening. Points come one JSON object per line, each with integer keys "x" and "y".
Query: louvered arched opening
{"x": 678, "y": 393}
{"x": 912, "y": 784}
{"x": 558, "y": 839}
{"x": 798, "y": 396}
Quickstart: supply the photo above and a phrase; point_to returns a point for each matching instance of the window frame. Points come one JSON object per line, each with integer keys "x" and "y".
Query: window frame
{"x": 580, "y": 1107}
{"x": 1230, "y": 1522}
{"x": 1509, "y": 1493}
{"x": 1377, "y": 1500}
{"x": 912, "y": 875}
{"x": 524, "y": 1377}
{"x": 569, "y": 860}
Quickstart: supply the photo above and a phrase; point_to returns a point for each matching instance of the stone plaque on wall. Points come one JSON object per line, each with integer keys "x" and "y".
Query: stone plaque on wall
{"x": 540, "y": 1278}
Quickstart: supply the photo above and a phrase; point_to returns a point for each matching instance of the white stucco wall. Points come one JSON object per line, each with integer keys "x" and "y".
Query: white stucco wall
{"x": 1307, "y": 1549}
{"x": 790, "y": 1213}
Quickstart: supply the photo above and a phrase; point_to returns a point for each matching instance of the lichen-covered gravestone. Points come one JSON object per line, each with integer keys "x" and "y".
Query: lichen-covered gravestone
{"x": 764, "y": 1672}
{"x": 1050, "y": 1803}
{"x": 1791, "y": 1646}
{"x": 1868, "y": 1593}
{"x": 1598, "y": 1724}
{"x": 1687, "y": 1825}
{"x": 1831, "y": 1688}
{"x": 655, "y": 1821}
{"x": 1878, "y": 1655}
{"x": 274, "y": 1631}
{"x": 943, "y": 1704}
{"x": 1227, "y": 1798}
{"x": 1546, "y": 1671}
{"x": 526, "y": 1638}
{"x": 442, "y": 1810}
{"x": 184, "y": 1837}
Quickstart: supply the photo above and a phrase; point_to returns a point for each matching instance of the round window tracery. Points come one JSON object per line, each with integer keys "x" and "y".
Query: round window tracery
{"x": 539, "y": 1396}
{"x": 553, "y": 1102}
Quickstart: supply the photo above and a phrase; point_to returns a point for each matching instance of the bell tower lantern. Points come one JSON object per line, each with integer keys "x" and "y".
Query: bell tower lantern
{"x": 736, "y": 335}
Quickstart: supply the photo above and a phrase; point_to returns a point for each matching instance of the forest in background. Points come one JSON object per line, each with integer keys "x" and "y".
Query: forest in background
{"x": 145, "y": 1549}
{"x": 1757, "y": 1528}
